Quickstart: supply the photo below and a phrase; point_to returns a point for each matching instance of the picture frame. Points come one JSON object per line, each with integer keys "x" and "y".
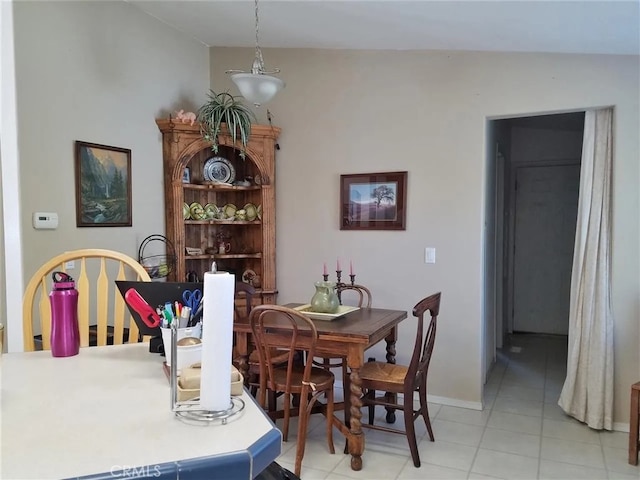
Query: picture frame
{"x": 373, "y": 201}
{"x": 186, "y": 175}
{"x": 103, "y": 185}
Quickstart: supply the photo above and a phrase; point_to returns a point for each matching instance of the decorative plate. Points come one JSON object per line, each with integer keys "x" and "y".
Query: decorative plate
{"x": 259, "y": 212}
{"x": 219, "y": 169}
{"x": 211, "y": 210}
{"x": 248, "y": 275}
{"x": 197, "y": 212}
{"x": 186, "y": 214}
{"x": 252, "y": 211}
{"x": 229, "y": 210}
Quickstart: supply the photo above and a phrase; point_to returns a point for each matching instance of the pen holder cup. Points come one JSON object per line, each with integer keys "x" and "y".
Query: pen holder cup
{"x": 188, "y": 354}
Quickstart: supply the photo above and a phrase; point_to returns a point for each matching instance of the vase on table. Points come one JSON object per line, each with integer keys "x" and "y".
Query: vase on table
{"x": 325, "y": 300}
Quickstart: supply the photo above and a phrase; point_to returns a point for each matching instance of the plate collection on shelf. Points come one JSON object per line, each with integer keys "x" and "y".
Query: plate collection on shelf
{"x": 195, "y": 211}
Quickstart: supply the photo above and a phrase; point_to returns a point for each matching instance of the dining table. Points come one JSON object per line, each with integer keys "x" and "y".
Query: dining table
{"x": 107, "y": 413}
{"x": 347, "y": 336}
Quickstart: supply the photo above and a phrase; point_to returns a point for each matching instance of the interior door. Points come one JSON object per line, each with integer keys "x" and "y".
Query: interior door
{"x": 545, "y": 223}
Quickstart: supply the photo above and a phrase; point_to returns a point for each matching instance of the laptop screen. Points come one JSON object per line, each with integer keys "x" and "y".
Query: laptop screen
{"x": 155, "y": 294}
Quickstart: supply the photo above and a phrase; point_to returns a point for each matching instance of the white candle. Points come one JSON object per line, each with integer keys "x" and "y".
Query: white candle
{"x": 217, "y": 341}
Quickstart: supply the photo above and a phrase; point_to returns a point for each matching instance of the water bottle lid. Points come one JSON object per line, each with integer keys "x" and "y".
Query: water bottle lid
{"x": 62, "y": 280}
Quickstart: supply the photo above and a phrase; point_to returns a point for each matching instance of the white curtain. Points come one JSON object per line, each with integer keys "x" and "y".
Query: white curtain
{"x": 587, "y": 393}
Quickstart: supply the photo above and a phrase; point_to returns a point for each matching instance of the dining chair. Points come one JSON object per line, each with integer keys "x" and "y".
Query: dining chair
{"x": 394, "y": 379}
{"x": 296, "y": 332}
{"x": 102, "y": 315}
{"x": 359, "y": 296}
{"x": 243, "y": 295}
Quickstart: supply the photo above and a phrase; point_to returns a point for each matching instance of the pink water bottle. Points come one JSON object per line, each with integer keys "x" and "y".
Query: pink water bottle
{"x": 65, "y": 334}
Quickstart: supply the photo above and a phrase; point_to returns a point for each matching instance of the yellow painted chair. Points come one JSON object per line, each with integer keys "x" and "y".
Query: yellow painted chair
{"x": 102, "y": 314}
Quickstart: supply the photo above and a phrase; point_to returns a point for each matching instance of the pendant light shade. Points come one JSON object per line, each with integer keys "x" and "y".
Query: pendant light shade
{"x": 257, "y": 86}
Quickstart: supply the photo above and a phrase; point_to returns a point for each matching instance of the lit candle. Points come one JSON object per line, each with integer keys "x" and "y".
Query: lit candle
{"x": 338, "y": 269}
{"x": 350, "y": 267}
{"x": 324, "y": 270}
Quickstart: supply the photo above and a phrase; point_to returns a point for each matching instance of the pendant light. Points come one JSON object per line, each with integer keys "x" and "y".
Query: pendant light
{"x": 257, "y": 86}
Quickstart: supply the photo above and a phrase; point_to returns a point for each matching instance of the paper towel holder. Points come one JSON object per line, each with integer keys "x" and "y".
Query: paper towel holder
{"x": 190, "y": 411}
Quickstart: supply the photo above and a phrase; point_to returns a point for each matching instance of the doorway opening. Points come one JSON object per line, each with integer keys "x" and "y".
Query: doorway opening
{"x": 533, "y": 179}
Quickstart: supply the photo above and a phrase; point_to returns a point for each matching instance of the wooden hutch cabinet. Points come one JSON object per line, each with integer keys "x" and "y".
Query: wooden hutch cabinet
{"x": 249, "y": 240}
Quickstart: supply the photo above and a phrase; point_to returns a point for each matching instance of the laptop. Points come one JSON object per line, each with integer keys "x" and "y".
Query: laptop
{"x": 154, "y": 294}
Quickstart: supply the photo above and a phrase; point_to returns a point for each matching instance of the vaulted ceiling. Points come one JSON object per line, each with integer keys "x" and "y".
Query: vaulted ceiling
{"x": 576, "y": 26}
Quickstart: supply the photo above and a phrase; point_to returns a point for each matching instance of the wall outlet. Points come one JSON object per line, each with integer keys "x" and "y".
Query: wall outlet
{"x": 70, "y": 265}
{"x": 429, "y": 255}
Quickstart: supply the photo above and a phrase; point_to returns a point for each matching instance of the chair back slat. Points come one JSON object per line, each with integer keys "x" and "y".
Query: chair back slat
{"x": 102, "y": 302}
{"x": 423, "y": 347}
{"x": 101, "y": 309}
{"x": 84, "y": 296}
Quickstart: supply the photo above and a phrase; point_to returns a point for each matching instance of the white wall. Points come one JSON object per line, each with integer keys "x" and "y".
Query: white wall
{"x": 425, "y": 112}
{"x": 100, "y": 72}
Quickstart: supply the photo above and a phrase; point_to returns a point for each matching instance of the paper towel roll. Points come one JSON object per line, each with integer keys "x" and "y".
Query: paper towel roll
{"x": 217, "y": 340}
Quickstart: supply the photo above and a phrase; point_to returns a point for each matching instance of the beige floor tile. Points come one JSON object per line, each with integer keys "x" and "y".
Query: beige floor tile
{"x": 381, "y": 465}
{"x": 518, "y": 406}
{"x": 505, "y": 465}
{"x": 463, "y": 415}
{"x": 521, "y": 393}
{"x": 550, "y": 470}
{"x": 455, "y": 432}
{"x": 576, "y": 453}
{"x": 515, "y": 423}
{"x": 428, "y": 471}
{"x": 614, "y": 439}
{"x": 617, "y": 459}
{"x": 511, "y": 442}
{"x": 573, "y": 431}
{"x": 316, "y": 456}
{"x": 447, "y": 454}
{"x": 553, "y": 411}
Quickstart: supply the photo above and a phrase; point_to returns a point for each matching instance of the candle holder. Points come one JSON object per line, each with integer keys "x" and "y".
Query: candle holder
{"x": 339, "y": 283}
{"x": 190, "y": 411}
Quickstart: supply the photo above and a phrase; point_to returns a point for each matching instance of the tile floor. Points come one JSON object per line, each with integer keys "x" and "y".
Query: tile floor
{"x": 521, "y": 433}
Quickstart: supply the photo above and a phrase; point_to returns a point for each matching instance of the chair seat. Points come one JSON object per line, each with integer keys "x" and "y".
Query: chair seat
{"x": 321, "y": 378}
{"x": 384, "y": 372}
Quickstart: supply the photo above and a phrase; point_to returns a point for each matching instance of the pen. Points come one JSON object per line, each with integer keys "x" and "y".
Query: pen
{"x": 185, "y": 316}
{"x": 168, "y": 312}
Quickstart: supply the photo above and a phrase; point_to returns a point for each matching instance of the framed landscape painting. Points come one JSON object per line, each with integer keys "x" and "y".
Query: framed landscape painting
{"x": 373, "y": 201}
{"x": 103, "y": 185}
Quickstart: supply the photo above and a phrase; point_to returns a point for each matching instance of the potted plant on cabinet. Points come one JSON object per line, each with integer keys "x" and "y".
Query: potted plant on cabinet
{"x": 225, "y": 108}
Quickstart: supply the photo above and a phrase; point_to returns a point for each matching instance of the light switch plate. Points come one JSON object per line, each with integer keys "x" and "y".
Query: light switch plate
{"x": 429, "y": 255}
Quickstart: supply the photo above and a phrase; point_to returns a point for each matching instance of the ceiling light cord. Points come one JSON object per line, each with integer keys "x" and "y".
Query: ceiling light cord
{"x": 258, "y": 86}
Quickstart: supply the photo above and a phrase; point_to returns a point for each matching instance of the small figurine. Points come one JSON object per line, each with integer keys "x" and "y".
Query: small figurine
{"x": 185, "y": 117}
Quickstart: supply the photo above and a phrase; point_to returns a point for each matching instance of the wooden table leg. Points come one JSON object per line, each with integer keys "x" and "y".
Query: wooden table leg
{"x": 355, "y": 360}
{"x": 391, "y": 358}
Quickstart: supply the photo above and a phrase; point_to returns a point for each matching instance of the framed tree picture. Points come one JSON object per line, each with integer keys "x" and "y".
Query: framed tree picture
{"x": 103, "y": 185}
{"x": 373, "y": 201}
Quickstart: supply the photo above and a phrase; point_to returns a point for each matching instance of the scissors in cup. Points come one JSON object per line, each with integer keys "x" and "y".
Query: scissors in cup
{"x": 192, "y": 298}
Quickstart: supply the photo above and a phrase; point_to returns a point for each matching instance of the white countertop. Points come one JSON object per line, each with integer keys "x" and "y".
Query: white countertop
{"x": 106, "y": 409}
